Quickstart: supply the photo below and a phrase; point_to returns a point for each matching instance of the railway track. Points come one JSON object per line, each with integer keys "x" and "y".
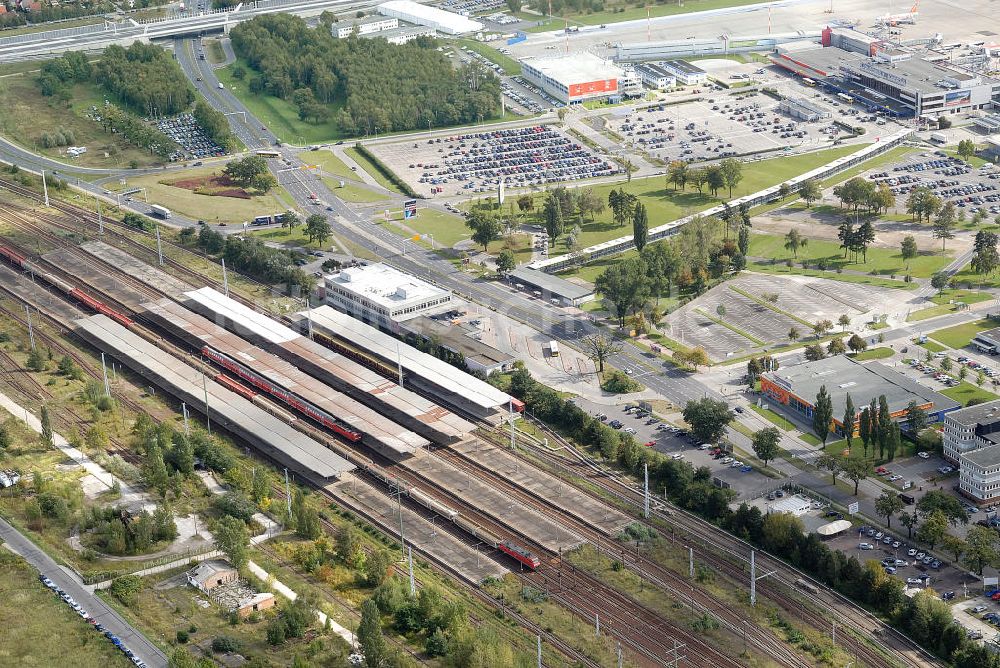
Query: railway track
{"x": 860, "y": 632}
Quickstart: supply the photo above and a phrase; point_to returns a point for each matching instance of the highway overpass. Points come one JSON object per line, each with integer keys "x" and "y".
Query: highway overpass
{"x": 96, "y": 37}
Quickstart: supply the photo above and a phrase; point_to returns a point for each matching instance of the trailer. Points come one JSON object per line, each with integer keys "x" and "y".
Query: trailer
{"x": 161, "y": 211}
{"x": 939, "y": 138}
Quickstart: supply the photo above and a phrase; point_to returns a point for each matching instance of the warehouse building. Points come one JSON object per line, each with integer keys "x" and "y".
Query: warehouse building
{"x": 796, "y": 387}
{"x": 971, "y": 440}
{"x": 364, "y": 26}
{"x": 382, "y": 295}
{"x": 573, "y": 78}
{"x": 802, "y": 109}
{"x": 685, "y": 72}
{"x": 988, "y": 341}
{"x": 448, "y": 23}
{"x": 893, "y": 81}
{"x": 655, "y": 77}
{"x": 546, "y": 286}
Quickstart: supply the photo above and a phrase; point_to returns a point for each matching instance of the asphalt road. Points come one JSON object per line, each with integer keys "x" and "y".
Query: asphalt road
{"x": 95, "y": 607}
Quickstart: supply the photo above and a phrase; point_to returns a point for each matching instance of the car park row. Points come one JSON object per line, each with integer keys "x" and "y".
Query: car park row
{"x": 78, "y": 609}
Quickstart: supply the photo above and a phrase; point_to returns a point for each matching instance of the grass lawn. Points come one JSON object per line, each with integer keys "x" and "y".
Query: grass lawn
{"x": 215, "y": 53}
{"x": 27, "y": 115}
{"x": 229, "y": 210}
{"x": 967, "y": 276}
{"x": 832, "y": 275}
{"x": 354, "y": 192}
{"x": 932, "y": 346}
{"x": 509, "y": 65}
{"x": 964, "y": 392}
{"x": 290, "y": 238}
{"x": 372, "y": 169}
{"x": 960, "y": 335}
{"x": 41, "y": 630}
{"x": 882, "y": 261}
{"x": 280, "y": 116}
{"x": 943, "y": 303}
{"x": 447, "y": 229}
{"x": 328, "y": 162}
{"x": 611, "y": 15}
{"x": 665, "y": 204}
{"x": 874, "y": 354}
{"x": 774, "y": 418}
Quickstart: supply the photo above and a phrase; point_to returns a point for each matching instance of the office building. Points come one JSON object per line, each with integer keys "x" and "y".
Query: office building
{"x": 382, "y": 296}
{"x": 685, "y": 72}
{"x": 363, "y": 26}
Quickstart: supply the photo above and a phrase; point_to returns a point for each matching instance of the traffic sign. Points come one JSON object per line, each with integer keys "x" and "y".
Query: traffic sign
{"x": 853, "y": 508}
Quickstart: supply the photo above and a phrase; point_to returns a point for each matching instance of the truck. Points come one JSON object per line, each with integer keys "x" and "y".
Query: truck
{"x": 161, "y": 211}
{"x": 939, "y": 138}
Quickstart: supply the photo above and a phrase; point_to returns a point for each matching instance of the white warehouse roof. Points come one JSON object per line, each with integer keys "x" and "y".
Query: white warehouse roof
{"x": 575, "y": 68}
{"x": 241, "y": 315}
{"x": 424, "y": 15}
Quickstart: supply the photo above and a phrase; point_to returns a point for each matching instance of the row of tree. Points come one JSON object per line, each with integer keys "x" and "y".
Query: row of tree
{"x": 214, "y": 124}
{"x": 725, "y": 174}
{"x": 382, "y": 87}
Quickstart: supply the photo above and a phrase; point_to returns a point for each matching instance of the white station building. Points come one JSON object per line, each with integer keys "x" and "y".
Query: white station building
{"x": 448, "y": 23}
{"x": 382, "y": 296}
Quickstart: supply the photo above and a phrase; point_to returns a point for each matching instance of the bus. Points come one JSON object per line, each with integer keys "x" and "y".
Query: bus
{"x": 553, "y": 349}
{"x": 269, "y": 153}
{"x": 161, "y": 211}
{"x": 846, "y": 98}
{"x": 806, "y": 81}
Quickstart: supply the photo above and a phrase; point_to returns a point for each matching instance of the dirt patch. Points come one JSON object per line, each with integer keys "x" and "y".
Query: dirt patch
{"x": 214, "y": 186}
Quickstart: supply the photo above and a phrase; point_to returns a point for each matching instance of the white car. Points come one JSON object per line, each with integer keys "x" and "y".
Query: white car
{"x": 900, "y": 563}
{"x": 629, "y": 430}
{"x": 912, "y": 552}
{"x": 914, "y": 581}
{"x": 677, "y": 455}
{"x": 979, "y": 608}
{"x": 866, "y": 546}
{"x": 924, "y": 455}
{"x": 726, "y": 460}
{"x": 894, "y": 477}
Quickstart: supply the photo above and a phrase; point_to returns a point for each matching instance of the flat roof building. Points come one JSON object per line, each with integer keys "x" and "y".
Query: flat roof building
{"x": 796, "y": 388}
{"x": 988, "y": 341}
{"x": 403, "y": 34}
{"x": 686, "y": 73}
{"x": 551, "y": 287}
{"x": 477, "y": 355}
{"x": 573, "y": 78}
{"x": 971, "y": 439}
{"x": 383, "y": 295}
{"x": 443, "y": 21}
{"x": 655, "y": 77}
{"x": 364, "y": 26}
{"x": 895, "y": 82}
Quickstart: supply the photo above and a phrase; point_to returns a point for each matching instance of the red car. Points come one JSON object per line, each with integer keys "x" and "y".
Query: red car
{"x": 650, "y": 444}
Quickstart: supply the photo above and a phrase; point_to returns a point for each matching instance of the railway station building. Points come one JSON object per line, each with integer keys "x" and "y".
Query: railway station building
{"x": 383, "y": 296}
{"x": 795, "y": 389}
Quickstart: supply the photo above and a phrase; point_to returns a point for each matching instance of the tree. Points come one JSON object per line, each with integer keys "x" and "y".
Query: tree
{"x": 916, "y": 418}
{"x": 784, "y": 190}
{"x": 814, "y": 352}
{"x": 836, "y": 347}
{"x": 553, "y": 214}
{"x": 765, "y": 444}
{"x": 933, "y": 529}
{"x": 231, "y": 538}
{"x": 599, "y": 348}
{"x": 46, "y": 421}
{"x": 822, "y": 327}
{"x": 677, "y": 174}
{"x": 242, "y": 171}
{"x": 506, "y": 262}
{"x": 844, "y": 321}
{"x": 625, "y": 284}
{"x": 856, "y": 470}
{"x": 810, "y": 191}
{"x": 831, "y": 464}
{"x": 981, "y": 547}
{"x": 954, "y": 546}
{"x": 850, "y": 419}
{"x": 944, "y": 224}
{"x": 908, "y": 520}
{"x": 856, "y": 343}
{"x": 985, "y": 259}
{"x": 793, "y": 333}
{"x": 887, "y": 505}
{"x": 377, "y": 567}
{"x": 708, "y": 418}
{"x": 486, "y": 227}
{"x": 949, "y": 506}
{"x": 714, "y": 178}
{"x": 370, "y": 637}
{"x": 695, "y": 357}
{"x": 908, "y": 248}
{"x": 822, "y": 414}
{"x": 317, "y": 228}
{"x": 288, "y": 219}
{"x": 794, "y": 241}
{"x": 732, "y": 173}
{"x": 940, "y": 280}
{"x": 640, "y": 227}
{"x": 966, "y": 148}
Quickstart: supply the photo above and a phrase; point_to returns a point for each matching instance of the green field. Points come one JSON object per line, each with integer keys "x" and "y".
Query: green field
{"x": 447, "y": 229}
{"x": 372, "y": 170}
{"x": 967, "y": 276}
{"x": 611, "y": 13}
{"x": 932, "y": 346}
{"x": 959, "y": 336}
{"x": 212, "y": 209}
{"x": 964, "y": 392}
{"x": 328, "y": 162}
{"x": 863, "y": 279}
{"x": 354, "y": 192}
{"x": 279, "y": 116}
{"x": 874, "y": 354}
{"x": 41, "y": 630}
{"x": 774, "y": 418}
{"x": 943, "y": 307}
{"x": 882, "y": 261}
{"x": 26, "y": 115}
{"x": 664, "y": 204}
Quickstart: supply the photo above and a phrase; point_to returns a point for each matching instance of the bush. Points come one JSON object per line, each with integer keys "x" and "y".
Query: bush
{"x": 183, "y": 636}
{"x": 126, "y": 589}
{"x": 226, "y": 645}
{"x": 618, "y": 382}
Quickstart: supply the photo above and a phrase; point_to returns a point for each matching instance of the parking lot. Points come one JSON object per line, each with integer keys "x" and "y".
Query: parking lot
{"x": 194, "y": 143}
{"x": 475, "y": 162}
{"x": 951, "y": 179}
{"x": 717, "y": 126}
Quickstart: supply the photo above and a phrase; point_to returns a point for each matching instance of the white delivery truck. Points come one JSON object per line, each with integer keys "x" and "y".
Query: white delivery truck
{"x": 939, "y": 138}
{"x": 161, "y": 211}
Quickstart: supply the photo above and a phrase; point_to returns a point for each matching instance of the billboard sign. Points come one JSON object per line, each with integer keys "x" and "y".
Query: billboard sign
{"x": 853, "y": 508}
{"x": 957, "y": 97}
{"x": 409, "y": 209}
